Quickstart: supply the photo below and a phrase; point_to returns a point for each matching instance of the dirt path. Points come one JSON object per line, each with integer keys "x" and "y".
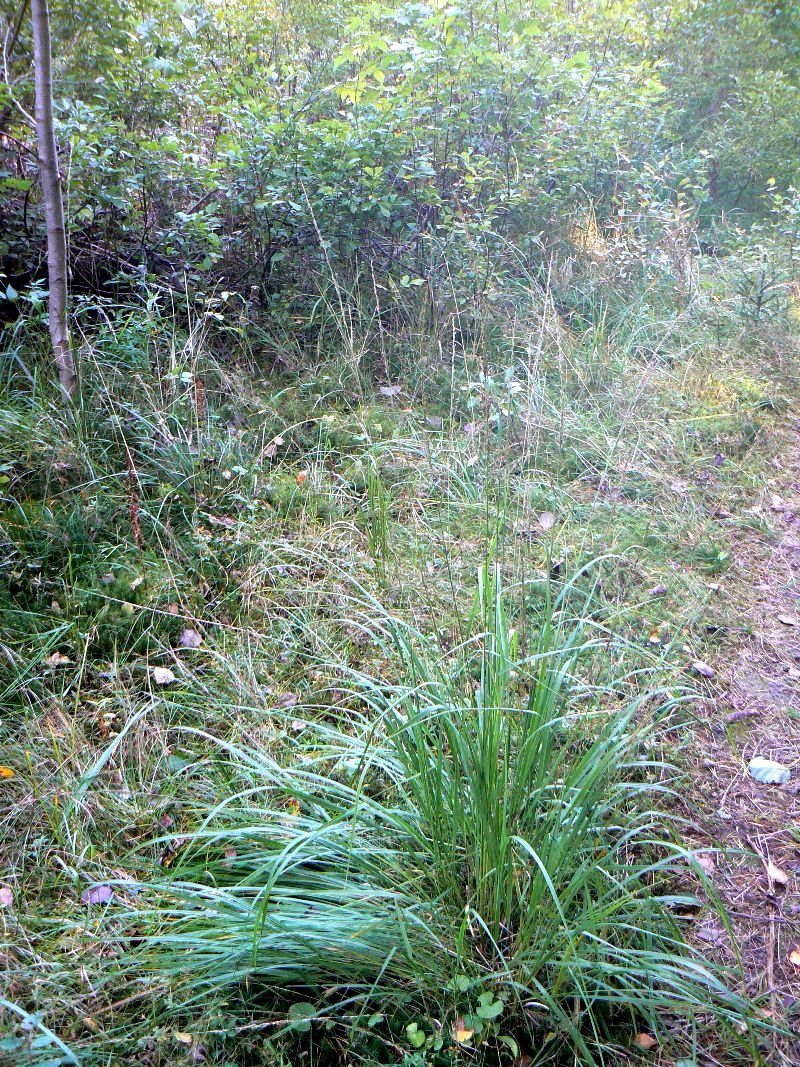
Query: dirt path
{"x": 758, "y": 826}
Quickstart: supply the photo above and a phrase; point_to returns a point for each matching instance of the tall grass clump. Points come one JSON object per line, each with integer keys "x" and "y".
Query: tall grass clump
{"x": 464, "y": 845}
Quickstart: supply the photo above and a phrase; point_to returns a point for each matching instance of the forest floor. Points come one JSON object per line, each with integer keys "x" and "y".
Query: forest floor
{"x": 756, "y": 712}
{"x": 188, "y": 573}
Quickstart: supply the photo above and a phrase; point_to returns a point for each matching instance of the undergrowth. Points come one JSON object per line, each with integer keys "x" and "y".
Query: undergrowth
{"x": 286, "y": 781}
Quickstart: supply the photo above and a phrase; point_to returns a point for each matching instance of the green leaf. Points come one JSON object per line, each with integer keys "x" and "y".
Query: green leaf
{"x": 510, "y": 1043}
{"x": 531, "y": 28}
{"x": 415, "y": 1035}
{"x": 580, "y": 61}
{"x": 489, "y": 1008}
{"x": 301, "y": 1015}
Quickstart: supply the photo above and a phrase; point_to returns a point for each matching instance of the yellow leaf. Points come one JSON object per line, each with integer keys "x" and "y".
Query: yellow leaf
{"x": 645, "y": 1041}
{"x": 185, "y": 1039}
{"x": 6, "y": 772}
{"x": 777, "y": 874}
{"x": 301, "y": 477}
{"x": 794, "y": 956}
{"x": 56, "y": 660}
{"x": 461, "y": 1032}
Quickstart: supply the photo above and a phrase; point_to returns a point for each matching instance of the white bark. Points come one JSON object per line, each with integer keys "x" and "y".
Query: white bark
{"x": 53, "y": 203}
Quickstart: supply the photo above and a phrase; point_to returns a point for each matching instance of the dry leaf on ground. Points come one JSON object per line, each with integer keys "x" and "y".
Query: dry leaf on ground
{"x": 645, "y": 1041}
{"x": 57, "y": 660}
{"x": 777, "y": 874}
{"x": 705, "y": 670}
{"x": 162, "y": 675}
{"x": 98, "y": 894}
{"x": 768, "y": 771}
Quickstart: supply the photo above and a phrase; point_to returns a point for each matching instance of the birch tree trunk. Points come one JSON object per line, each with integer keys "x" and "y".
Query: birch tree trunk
{"x": 53, "y": 203}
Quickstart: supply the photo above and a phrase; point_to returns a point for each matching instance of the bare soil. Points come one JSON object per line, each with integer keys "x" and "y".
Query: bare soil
{"x": 756, "y": 827}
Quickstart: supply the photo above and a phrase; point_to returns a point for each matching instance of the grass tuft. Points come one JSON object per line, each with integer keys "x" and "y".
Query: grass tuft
{"x": 477, "y": 828}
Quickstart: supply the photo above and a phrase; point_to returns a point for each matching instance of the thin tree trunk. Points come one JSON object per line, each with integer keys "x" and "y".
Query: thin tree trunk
{"x": 53, "y": 203}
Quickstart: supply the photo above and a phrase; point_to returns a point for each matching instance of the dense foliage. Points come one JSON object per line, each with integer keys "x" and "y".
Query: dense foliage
{"x": 250, "y": 151}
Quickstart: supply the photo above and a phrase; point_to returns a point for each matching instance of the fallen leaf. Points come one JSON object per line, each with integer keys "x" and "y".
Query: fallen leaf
{"x": 6, "y": 896}
{"x": 162, "y": 675}
{"x": 137, "y": 582}
{"x": 789, "y": 620}
{"x": 97, "y": 894}
{"x": 390, "y": 390}
{"x": 56, "y": 660}
{"x": 6, "y": 772}
{"x": 705, "y": 861}
{"x": 547, "y": 520}
{"x": 777, "y": 874}
{"x": 273, "y": 446}
{"x": 645, "y": 1041}
{"x": 461, "y": 1032}
{"x": 190, "y": 638}
{"x": 108, "y": 579}
{"x": 768, "y": 771}
{"x": 712, "y": 933}
{"x": 301, "y": 477}
{"x": 702, "y": 668}
{"x": 794, "y": 956}
{"x": 185, "y": 1039}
